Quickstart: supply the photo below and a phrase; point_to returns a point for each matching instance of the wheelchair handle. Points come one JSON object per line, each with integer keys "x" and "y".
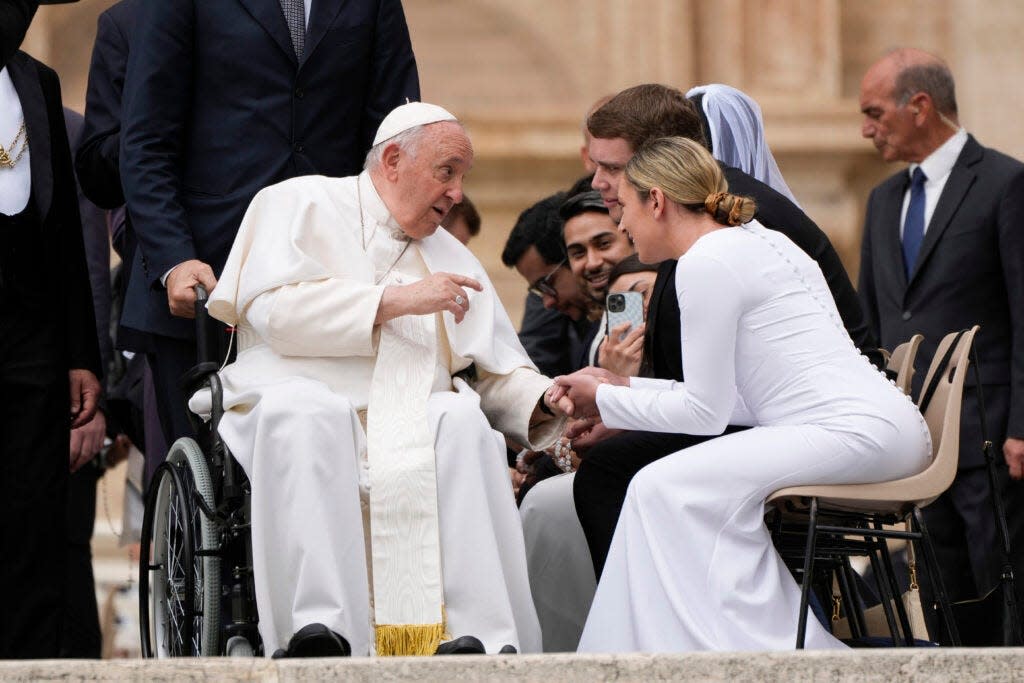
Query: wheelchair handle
{"x": 202, "y": 325}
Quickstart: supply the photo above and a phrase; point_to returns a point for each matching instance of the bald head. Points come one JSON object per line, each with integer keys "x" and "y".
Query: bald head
{"x": 909, "y": 104}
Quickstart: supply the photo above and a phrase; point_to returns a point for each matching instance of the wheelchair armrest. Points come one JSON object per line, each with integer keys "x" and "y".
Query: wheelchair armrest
{"x": 198, "y": 376}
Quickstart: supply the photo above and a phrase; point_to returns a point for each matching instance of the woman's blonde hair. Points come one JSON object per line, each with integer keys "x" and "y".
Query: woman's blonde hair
{"x": 690, "y": 177}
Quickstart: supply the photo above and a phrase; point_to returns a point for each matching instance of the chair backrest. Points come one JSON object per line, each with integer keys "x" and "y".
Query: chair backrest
{"x": 901, "y": 362}
{"x": 943, "y": 411}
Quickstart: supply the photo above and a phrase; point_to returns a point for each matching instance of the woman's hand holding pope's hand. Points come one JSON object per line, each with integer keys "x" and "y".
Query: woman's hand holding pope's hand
{"x": 581, "y": 389}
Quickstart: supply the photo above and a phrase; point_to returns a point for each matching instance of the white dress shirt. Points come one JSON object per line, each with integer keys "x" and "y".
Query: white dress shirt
{"x": 15, "y": 183}
{"x": 937, "y": 167}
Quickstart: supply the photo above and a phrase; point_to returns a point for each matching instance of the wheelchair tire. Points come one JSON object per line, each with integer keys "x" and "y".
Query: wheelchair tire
{"x": 180, "y": 586}
{"x": 238, "y": 646}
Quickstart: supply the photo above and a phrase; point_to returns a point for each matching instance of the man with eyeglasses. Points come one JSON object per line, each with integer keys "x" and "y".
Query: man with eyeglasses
{"x": 555, "y": 329}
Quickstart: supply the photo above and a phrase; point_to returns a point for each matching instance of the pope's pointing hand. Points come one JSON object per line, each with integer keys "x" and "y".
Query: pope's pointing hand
{"x": 434, "y": 294}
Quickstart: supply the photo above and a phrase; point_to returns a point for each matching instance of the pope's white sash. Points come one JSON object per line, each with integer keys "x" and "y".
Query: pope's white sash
{"x": 405, "y": 536}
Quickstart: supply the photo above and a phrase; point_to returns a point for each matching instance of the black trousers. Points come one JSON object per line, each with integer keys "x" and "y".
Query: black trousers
{"x": 969, "y": 549}
{"x": 34, "y": 453}
{"x": 170, "y": 359}
{"x": 599, "y": 489}
{"x": 80, "y": 636}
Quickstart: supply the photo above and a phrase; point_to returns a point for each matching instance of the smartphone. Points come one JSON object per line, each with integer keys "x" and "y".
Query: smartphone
{"x": 625, "y": 307}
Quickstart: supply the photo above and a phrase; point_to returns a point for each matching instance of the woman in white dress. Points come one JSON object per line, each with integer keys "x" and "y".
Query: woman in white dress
{"x": 692, "y": 566}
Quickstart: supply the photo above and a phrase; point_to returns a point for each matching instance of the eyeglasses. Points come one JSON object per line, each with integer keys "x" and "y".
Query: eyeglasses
{"x": 543, "y": 286}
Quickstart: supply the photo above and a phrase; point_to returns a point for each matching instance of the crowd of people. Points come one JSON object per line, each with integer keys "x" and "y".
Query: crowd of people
{"x": 425, "y": 479}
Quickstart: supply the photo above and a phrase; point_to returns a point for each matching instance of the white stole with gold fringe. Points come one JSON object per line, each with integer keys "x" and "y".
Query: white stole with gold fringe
{"x": 404, "y": 531}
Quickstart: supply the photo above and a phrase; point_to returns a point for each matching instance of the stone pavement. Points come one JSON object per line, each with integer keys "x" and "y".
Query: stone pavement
{"x": 891, "y": 665}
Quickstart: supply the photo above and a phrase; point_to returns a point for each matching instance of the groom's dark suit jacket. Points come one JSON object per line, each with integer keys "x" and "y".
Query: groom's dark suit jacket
{"x": 970, "y": 270}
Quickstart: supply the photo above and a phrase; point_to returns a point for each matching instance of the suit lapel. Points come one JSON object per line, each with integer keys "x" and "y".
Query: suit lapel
{"x": 321, "y": 18}
{"x": 960, "y": 180}
{"x": 37, "y": 127}
{"x": 892, "y": 247}
{"x": 269, "y": 15}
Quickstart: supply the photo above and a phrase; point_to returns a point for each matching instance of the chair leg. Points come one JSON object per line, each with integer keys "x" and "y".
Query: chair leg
{"x": 806, "y": 579}
{"x": 894, "y": 587}
{"x": 851, "y": 600}
{"x": 932, "y": 561}
{"x": 885, "y": 593}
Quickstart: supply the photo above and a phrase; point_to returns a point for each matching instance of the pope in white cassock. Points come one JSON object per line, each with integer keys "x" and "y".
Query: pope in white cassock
{"x": 374, "y": 358}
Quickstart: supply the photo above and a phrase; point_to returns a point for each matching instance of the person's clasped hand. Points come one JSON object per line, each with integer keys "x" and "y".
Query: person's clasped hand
{"x": 581, "y": 389}
{"x": 587, "y": 432}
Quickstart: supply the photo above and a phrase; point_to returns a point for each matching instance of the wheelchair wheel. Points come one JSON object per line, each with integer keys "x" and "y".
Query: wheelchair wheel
{"x": 179, "y": 576}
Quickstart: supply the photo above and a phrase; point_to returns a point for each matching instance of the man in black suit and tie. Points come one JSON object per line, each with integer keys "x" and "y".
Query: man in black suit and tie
{"x": 617, "y": 129}
{"x": 943, "y": 250}
{"x": 48, "y": 349}
{"x": 222, "y": 99}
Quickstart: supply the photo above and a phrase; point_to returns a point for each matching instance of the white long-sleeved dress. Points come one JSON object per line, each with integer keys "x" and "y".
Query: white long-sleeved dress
{"x": 691, "y": 565}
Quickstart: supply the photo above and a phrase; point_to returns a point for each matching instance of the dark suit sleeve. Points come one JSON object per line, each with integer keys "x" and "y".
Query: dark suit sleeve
{"x": 544, "y": 334}
{"x": 1011, "y": 252}
{"x": 866, "y": 281}
{"x": 82, "y": 348}
{"x": 96, "y": 237}
{"x": 97, "y": 157}
{"x": 393, "y": 75}
{"x": 157, "y": 99}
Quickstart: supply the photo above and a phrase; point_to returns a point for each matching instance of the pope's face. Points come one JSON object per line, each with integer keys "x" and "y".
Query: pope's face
{"x": 428, "y": 182}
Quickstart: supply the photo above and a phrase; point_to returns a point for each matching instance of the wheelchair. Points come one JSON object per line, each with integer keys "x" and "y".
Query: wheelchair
{"x": 196, "y": 592}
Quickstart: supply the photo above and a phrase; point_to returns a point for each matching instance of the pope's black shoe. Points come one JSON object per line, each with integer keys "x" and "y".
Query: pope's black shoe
{"x": 463, "y": 645}
{"x": 316, "y": 640}
{"x": 508, "y": 650}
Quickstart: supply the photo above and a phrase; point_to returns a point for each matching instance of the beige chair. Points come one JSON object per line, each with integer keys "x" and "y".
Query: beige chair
{"x": 859, "y": 510}
{"x": 901, "y": 362}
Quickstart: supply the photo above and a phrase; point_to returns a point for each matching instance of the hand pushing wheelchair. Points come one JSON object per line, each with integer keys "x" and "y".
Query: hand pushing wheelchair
{"x": 196, "y": 592}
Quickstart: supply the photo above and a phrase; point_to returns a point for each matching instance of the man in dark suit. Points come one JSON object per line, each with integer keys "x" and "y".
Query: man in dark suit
{"x": 943, "y": 250}
{"x": 97, "y": 162}
{"x": 222, "y": 99}
{"x": 617, "y": 130}
{"x": 48, "y": 351}
{"x": 80, "y": 638}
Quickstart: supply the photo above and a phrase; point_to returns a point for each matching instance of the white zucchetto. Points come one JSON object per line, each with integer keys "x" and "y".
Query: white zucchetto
{"x": 410, "y": 115}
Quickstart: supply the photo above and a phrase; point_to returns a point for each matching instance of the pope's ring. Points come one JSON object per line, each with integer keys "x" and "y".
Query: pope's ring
{"x": 459, "y": 300}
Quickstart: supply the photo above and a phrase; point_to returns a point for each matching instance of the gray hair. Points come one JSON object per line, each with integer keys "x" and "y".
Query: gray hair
{"x": 408, "y": 142}
{"x": 935, "y": 79}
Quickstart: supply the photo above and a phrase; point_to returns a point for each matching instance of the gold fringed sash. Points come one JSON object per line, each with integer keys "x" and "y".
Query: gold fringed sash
{"x": 404, "y": 531}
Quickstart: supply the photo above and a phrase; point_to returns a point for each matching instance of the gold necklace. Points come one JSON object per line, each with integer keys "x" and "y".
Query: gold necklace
{"x": 362, "y": 233}
{"x": 6, "y": 160}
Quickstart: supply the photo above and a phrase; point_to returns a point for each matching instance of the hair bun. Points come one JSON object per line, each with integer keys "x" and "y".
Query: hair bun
{"x": 729, "y": 209}
{"x": 713, "y": 201}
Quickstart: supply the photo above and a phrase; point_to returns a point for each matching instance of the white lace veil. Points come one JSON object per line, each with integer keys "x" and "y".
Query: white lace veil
{"x": 737, "y": 134}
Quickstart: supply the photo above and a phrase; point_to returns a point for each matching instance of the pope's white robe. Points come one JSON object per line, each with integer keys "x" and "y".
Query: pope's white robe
{"x": 303, "y": 294}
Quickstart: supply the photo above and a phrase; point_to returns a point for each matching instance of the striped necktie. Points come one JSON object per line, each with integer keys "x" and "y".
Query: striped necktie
{"x": 295, "y": 15}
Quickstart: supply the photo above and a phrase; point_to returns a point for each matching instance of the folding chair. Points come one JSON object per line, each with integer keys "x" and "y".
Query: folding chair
{"x": 859, "y": 511}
